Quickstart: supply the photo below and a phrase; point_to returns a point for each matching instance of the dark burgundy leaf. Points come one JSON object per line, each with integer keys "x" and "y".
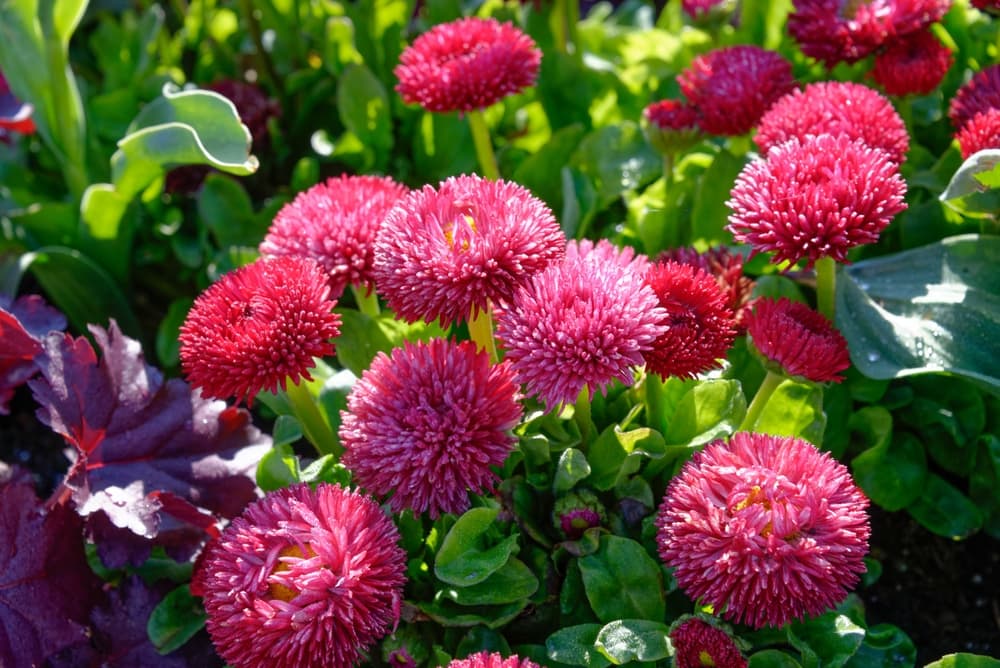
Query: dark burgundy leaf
{"x": 46, "y": 587}
{"x": 137, "y": 437}
{"x": 23, "y": 324}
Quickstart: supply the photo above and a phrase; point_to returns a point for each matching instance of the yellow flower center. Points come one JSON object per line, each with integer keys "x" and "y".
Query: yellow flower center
{"x": 278, "y": 590}
{"x": 457, "y": 233}
{"x": 705, "y": 658}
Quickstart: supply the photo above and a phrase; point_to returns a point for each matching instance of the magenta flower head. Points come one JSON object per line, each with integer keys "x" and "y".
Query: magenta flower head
{"x": 727, "y": 268}
{"x": 912, "y": 65}
{"x": 732, "y": 87}
{"x": 794, "y": 340}
{"x": 815, "y": 198}
{"x": 486, "y": 659}
{"x": 467, "y": 64}
{"x": 840, "y": 31}
{"x": 979, "y": 94}
{"x": 440, "y": 253}
{"x": 334, "y": 223}
{"x": 258, "y": 327}
{"x": 302, "y": 579}
{"x": 671, "y": 126}
{"x": 584, "y": 322}
{"x": 981, "y": 132}
{"x": 699, "y": 642}
{"x": 765, "y": 529}
{"x": 426, "y": 424}
{"x": 699, "y": 323}
{"x": 836, "y": 108}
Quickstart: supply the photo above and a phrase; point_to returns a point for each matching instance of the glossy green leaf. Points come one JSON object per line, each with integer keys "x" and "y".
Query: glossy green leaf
{"x": 884, "y": 646}
{"x": 795, "y": 409}
{"x": 617, "y": 454}
{"x": 467, "y": 556}
{"x": 975, "y": 187}
{"x": 511, "y": 582}
{"x": 934, "y": 308}
{"x": 617, "y": 158}
{"x": 710, "y": 215}
{"x": 829, "y": 640}
{"x": 326, "y": 469}
{"x": 225, "y": 209}
{"x": 705, "y": 411}
{"x": 363, "y": 105}
{"x": 892, "y": 473}
{"x": 449, "y": 614}
{"x": 536, "y": 172}
{"x": 571, "y": 469}
{"x": 278, "y": 468}
{"x": 964, "y": 660}
{"x": 772, "y": 658}
{"x": 574, "y": 646}
{"x": 175, "y": 620}
{"x": 943, "y": 509}
{"x": 362, "y": 337}
{"x": 628, "y": 640}
{"x": 167, "y": 343}
{"x": 622, "y": 581}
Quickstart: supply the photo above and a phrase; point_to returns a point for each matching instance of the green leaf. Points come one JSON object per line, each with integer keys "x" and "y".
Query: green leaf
{"x": 827, "y": 641}
{"x": 973, "y": 190}
{"x": 175, "y": 620}
{"x": 795, "y": 409}
{"x": 538, "y": 171}
{"x": 622, "y": 581}
{"x": 617, "y": 454}
{"x": 964, "y": 660}
{"x": 574, "y": 646}
{"x": 934, "y": 308}
{"x": 466, "y": 556}
{"x": 706, "y": 410}
{"x": 893, "y": 473}
{"x": 617, "y": 158}
{"x": 710, "y": 214}
{"x": 885, "y": 646}
{"x": 772, "y": 658}
{"x": 634, "y": 640}
{"x": 512, "y": 582}
{"x": 326, "y": 469}
{"x": 362, "y": 337}
{"x": 278, "y": 468}
{"x": 167, "y": 343}
{"x": 944, "y": 510}
{"x": 225, "y": 209}
{"x": 449, "y": 614}
{"x": 571, "y": 469}
{"x": 363, "y": 106}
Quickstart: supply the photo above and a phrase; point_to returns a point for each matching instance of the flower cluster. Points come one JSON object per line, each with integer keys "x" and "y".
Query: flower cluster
{"x": 973, "y": 112}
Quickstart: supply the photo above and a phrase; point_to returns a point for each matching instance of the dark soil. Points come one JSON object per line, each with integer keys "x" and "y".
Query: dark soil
{"x": 944, "y": 594}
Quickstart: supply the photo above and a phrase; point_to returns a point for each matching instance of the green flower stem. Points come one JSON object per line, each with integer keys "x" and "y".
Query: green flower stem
{"x": 668, "y": 168}
{"x": 560, "y": 31}
{"x": 366, "y": 299}
{"x": 481, "y": 331}
{"x": 764, "y": 392}
{"x": 826, "y": 286}
{"x": 572, "y": 27}
{"x": 582, "y": 416}
{"x": 655, "y": 412}
{"x": 484, "y": 146}
{"x": 314, "y": 425}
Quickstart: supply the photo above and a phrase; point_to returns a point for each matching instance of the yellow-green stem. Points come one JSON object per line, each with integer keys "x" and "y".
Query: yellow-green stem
{"x": 366, "y": 299}
{"x": 484, "y": 145}
{"x": 560, "y": 31}
{"x": 481, "y": 331}
{"x": 581, "y": 414}
{"x": 826, "y": 286}
{"x": 655, "y": 412}
{"x": 764, "y": 392}
{"x": 314, "y": 425}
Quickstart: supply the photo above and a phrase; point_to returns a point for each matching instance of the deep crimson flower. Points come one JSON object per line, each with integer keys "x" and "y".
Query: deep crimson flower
{"x": 797, "y": 341}
{"x": 671, "y": 126}
{"x": 765, "y": 529}
{"x": 467, "y": 64}
{"x": 15, "y": 116}
{"x": 732, "y": 87}
{"x": 583, "y": 322}
{"x": 990, "y": 6}
{"x": 486, "y": 659}
{"x": 982, "y": 131}
{"x": 700, "y": 327}
{"x": 835, "y": 31}
{"x": 727, "y": 268}
{"x": 334, "y": 223}
{"x": 303, "y": 578}
{"x": 258, "y": 327}
{"x": 911, "y": 16}
{"x": 442, "y": 252}
{"x": 815, "y": 198}
{"x": 912, "y": 65}
{"x": 698, "y": 643}
{"x": 836, "y": 108}
{"x": 981, "y": 93}
{"x": 426, "y": 424}
{"x": 576, "y": 512}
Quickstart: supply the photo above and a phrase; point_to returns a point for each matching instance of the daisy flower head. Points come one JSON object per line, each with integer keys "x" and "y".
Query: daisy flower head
{"x": 302, "y": 579}
{"x": 981, "y": 93}
{"x": 334, "y": 223}
{"x": 426, "y": 423}
{"x": 765, "y": 529}
{"x": 912, "y": 16}
{"x": 258, "y": 327}
{"x": 699, "y": 323}
{"x": 912, "y": 65}
{"x": 815, "y": 198}
{"x": 442, "y": 252}
{"x": 586, "y": 321}
{"x": 699, "y": 643}
{"x": 467, "y": 64}
{"x": 727, "y": 268}
{"x": 671, "y": 126}
{"x": 794, "y": 340}
{"x": 981, "y": 132}
{"x": 732, "y": 87}
{"x": 485, "y": 659}
{"x": 840, "y": 31}
{"x": 836, "y": 108}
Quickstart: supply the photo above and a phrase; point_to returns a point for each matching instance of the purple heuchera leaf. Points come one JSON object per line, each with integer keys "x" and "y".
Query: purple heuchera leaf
{"x": 140, "y": 440}
{"x": 46, "y": 587}
{"x": 23, "y": 324}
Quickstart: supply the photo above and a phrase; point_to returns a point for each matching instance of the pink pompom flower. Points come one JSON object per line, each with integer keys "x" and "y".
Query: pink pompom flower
{"x": 440, "y": 253}
{"x": 699, "y": 322}
{"x": 912, "y": 65}
{"x": 584, "y": 322}
{"x": 258, "y": 327}
{"x": 302, "y": 579}
{"x": 794, "y": 340}
{"x": 486, "y": 659}
{"x": 699, "y": 643}
{"x": 334, "y": 223}
{"x": 981, "y": 132}
{"x": 426, "y": 424}
{"x": 765, "y": 529}
{"x": 836, "y": 108}
{"x": 815, "y": 198}
{"x": 732, "y": 87}
{"x": 467, "y": 64}
{"x": 835, "y": 31}
{"x": 981, "y": 93}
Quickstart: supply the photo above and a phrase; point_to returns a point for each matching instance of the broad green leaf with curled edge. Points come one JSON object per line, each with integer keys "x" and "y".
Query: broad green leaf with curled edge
{"x": 884, "y": 646}
{"x": 617, "y": 158}
{"x": 627, "y": 640}
{"x": 893, "y": 472}
{"x": 795, "y": 409}
{"x": 449, "y": 614}
{"x": 574, "y": 646}
{"x": 175, "y": 620}
{"x": 622, "y": 581}
{"x": 945, "y": 510}
{"x": 617, "y": 454}
{"x": 964, "y": 660}
{"x": 465, "y": 557}
{"x": 772, "y": 658}
{"x": 934, "y": 308}
{"x": 829, "y": 640}
{"x": 512, "y": 582}
{"x": 973, "y": 189}
{"x": 571, "y": 469}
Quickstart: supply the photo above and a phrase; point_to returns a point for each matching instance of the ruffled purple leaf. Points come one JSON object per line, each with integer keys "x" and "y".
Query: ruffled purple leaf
{"x": 23, "y": 324}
